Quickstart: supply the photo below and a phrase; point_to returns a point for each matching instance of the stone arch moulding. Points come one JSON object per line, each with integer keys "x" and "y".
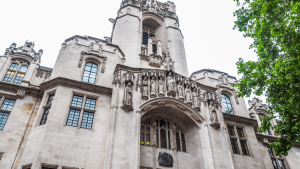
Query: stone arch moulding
{"x": 24, "y": 58}
{"x": 171, "y": 102}
{"x": 153, "y": 16}
{"x": 97, "y": 57}
{"x": 230, "y": 92}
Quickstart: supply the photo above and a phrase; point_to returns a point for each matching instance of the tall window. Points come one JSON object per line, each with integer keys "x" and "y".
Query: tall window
{"x": 82, "y": 105}
{"x": 16, "y": 72}
{"x": 45, "y": 116}
{"x": 277, "y": 161}
{"x": 227, "y": 104}
{"x": 90, "y": 72}
{"x": 7, "y": 106}
{"x": 238, "y": 141}
{"x": 50, "y": 99}
{"x": 148, "y": 31}
{"x": 163, "y": 133}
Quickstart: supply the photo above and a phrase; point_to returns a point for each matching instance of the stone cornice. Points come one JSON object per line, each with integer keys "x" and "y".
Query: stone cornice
{"x": 101, "y": 40}
{"x": 12, "y": 87}
{"x": 240, "y": 119}
{"x": 75, "y": 84}
{"x": 129, "y": 15}
{"x": 272, "y": 139}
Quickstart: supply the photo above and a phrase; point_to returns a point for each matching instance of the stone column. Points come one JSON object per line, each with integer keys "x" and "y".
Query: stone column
{"x": 159, "y": 50}
{"x": 111, "y": 128}
{"x": 138, "y": 123}
{"x": 29, "y": 73}
{"x": 150, "y": 50}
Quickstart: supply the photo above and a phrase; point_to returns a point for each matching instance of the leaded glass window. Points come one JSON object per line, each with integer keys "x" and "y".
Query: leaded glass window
{"x": 90, "y": 104}
{"x": 234, "y": 145}
{"x": 3, "y": 119}
{"x": 90, "y": 72}
{"x": 9, "y": 76}
{"x": 281, "y": 164}
{"x": 227, "y": 104}
{"x": 14, "y": 66}
{"x": 274, "y": 163}
{"x": 163, "y": 138}
{"x": 148, "y": 136}
{"x": 145, "y": 38}
{"x": 142, "y": 139}
{"x": 178, "y": 141}
{"x": 45, "y": 116}
{"x": 231, "y": 131}
{"x": 73, "y": 117}
{"x": 277, "y": 161}
{"x": 18, "y": 79}
{"x": 87, "y": 120}
{"x": 183, "y": 142}
{"x": 8, "y": 104}
{"x": 50, "y": 99}
{"x": 23, "y": 68}
{"x": 244, "y": 148}
{"x": 77, "y": 101}
{"x": 240, "y": 132}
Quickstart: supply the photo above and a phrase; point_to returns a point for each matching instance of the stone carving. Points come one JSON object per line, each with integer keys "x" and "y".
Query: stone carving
{"x": 188, "y": 95}
{"x": 195, "y": 117}
{"x": 161, "y": 88}
{"x": 95, "y": 47}
{"x": 147, "y": 107}
{"x": 48, "y": 75}
{"x": 213, "y": 115}
{"x": 152, "y": 88}
{"x": 180, "y": 91}
{"x": 171, "y": 85}
{"x": 161, "y": 103}
{"x": 127, "y": 99}
{"x": 174, "y": 145}
{"x": 165, "y": 159}
{"x": 154, "y": 140}
{"x": 40, "y": 73}
{"x": 117, "y": 77}
{"x": 195, "y": 100}
{"x": 21, "y": 93}
{"x": 169, "y": 63}
{"x": 37, "y": 56}
{"x": 181, "y": 107}
{"x": 104, "y": 58}
{"x": 265, "y": 141}
{"x": 26, "y": 49}
{"x": 145, "y": 89}
{"x": 223, "y": 79}
{"x": 108, "y": 39}
{"x": 10, "y": 50}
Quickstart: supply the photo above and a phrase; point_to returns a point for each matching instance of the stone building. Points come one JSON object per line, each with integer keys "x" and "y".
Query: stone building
{"x": 128, "y": 102}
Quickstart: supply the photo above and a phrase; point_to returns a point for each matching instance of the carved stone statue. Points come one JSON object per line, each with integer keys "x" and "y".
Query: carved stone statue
{"x": 128, "y": 94}
{"x": 180, "y": 91}
{"x": 213, "y": 113}
{"x": 169, "y": 63}
{"x": 223, "y": 79}
{"x": 171, "y": 83}
{"x": 188, "y": 95}
{"x": 152, "y": 88}
{"x": 145, "y": 86}
{"x": 160, "y": 88}
{"x": 195, "y": 100}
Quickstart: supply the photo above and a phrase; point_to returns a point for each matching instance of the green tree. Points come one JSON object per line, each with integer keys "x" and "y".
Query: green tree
{"x": 274, "y": 26}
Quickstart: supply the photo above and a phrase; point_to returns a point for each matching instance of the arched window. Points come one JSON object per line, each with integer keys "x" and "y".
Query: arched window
{"x": 183, "y": 142}
{"x": 16, "y": 73}
{"x": 163, "y": 138}
{"x": 148, "y": 136}
{"x": 227, "y": 104}
{"x": 90, "y": 72}
{"x": 178, "y": 141}
{"x": 142, "y": 135}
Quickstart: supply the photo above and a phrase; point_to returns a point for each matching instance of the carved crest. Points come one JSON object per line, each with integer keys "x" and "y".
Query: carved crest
{"x": 165, "y": 159}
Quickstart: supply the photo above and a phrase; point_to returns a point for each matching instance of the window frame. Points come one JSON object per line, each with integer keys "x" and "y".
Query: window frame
{"x": 16, "y": 71}
{"x": 47, "y": 106}
{"x": 230, "y": 100}
{"x": 277, "y": 158}
{"x": 5, "y": 111}
{"x": 93, "y": 63}
{"x": 82, "y": 110}
{"x": 239, "y": 139}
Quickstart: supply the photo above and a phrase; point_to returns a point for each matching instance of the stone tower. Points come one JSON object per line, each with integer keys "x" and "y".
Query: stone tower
{"x": 127, "y": 102}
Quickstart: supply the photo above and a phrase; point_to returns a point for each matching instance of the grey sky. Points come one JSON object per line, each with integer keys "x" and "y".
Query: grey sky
{"x": 206, "y": 25}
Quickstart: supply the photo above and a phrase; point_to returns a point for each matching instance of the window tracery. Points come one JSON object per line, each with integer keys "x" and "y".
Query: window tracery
{"x": 157, "y": 131}
{"x": 227, "y": 104}
{"x": 16, "y": 72}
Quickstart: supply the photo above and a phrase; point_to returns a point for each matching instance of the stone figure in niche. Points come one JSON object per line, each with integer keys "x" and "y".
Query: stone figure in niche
{"x": 152, "y": 88}
{"x": 145, "y": 86}
{"x": 213, "y": 115}
{"x": 128, "y": 94}
{"x": 171, "y": 83}
{"x": 195, "y": 100}
{"x": 154, "y": 143}
{"x": 160, "y": 88}
{"x": 165, "y": 159}
{"x": 188, "y": 95}
{"x": 180, "y": 91}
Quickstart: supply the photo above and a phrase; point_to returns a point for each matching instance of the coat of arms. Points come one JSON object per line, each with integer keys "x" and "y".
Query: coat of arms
{"x": 165, "y": 159}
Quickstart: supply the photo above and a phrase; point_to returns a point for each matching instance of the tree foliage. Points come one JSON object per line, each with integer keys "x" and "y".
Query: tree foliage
{"x": 274, "y": 26}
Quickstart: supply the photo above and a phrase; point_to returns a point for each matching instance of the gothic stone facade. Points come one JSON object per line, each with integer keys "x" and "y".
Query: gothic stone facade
{"x": 127, "y": 102}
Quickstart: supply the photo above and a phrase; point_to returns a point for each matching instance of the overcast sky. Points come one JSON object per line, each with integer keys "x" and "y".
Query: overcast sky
{"x": 210, "y": 41}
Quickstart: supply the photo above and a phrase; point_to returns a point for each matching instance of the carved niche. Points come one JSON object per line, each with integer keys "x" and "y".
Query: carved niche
{"x": 171, "y": 85}
{"x": 165, "y": 159}
{"x": 145, "y": 86}
{"x": 161, "y": 86}
{"x": 153, "y": 85}
{"x": 128, "y": 92}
